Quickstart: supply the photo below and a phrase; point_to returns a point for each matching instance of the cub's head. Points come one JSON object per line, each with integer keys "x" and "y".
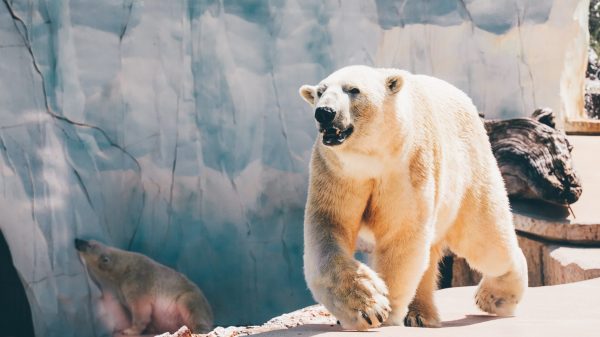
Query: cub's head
{"x": 349, "y": 104}
{"x": 104, "y": 263}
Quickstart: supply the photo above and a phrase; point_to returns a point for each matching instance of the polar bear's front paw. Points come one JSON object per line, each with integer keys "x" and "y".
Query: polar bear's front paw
{"x": 359, "y": 300}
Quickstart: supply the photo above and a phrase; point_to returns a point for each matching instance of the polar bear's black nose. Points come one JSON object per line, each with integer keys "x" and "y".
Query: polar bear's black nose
{"x": 324, "y": 115}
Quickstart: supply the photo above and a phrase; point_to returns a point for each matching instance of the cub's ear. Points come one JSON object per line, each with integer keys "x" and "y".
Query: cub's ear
{"x": 308, "y": 92}
{"x": 394, "y": 83}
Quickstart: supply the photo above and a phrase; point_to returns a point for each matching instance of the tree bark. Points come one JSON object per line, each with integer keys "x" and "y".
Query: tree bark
{"x": 534, "y": 158}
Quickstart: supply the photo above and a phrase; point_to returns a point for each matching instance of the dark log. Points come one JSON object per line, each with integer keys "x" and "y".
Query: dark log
{"x": 534, "y": 158}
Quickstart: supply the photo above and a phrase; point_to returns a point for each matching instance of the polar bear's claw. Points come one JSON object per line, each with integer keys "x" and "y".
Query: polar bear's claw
{"x": 360, "y": 302}
{"x": 416, "y": 318}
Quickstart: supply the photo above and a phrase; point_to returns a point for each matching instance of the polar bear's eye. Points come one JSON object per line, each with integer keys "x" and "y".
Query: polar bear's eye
{"x": 320, "y": 93}
{"x": 354, "y": 91}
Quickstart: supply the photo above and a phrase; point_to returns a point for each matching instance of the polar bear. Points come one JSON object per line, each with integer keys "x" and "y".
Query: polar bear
{"x": 404, "y": 160}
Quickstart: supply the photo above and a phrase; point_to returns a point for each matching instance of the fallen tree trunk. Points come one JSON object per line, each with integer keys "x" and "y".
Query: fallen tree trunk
{"x": 534, "y": 158}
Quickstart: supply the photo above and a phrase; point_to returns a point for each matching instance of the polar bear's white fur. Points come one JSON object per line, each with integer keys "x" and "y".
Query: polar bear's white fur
{"x": 405, "y": 159}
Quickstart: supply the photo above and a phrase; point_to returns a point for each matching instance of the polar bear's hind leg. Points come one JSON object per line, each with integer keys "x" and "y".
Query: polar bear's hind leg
{"x": 489, "y": 245}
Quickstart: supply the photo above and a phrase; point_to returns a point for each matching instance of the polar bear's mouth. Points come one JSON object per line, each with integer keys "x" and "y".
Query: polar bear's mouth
{"x": 335, "y": 136}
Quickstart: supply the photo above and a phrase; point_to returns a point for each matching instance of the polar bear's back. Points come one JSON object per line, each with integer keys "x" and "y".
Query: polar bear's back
{"x": 448, "y": 101}
{"x": 449, "y": 117}
{"x": 450, "y": 122}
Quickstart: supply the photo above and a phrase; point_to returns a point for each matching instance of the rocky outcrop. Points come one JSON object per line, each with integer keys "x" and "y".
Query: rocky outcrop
{"x": 184, "y": 331}
{"x": 315, "y": 314}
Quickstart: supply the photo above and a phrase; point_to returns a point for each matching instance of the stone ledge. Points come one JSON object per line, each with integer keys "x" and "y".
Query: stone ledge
{"x": 570, "y": 264}
{"x": 547, "y": 264}
{"x": 558, "y": 230}
{"x": 582, "y": 127}
{"x": 564, "y": 310}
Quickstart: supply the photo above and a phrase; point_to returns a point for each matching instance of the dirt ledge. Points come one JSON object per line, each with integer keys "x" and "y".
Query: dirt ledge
{"x": 563, "y": 310}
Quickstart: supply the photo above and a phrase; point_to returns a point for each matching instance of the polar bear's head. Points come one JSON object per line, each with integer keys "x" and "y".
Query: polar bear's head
{"x": 349, "y": 104}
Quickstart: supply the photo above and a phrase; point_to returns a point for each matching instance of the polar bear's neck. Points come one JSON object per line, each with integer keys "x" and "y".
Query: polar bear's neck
{"x": 361, "y": 165}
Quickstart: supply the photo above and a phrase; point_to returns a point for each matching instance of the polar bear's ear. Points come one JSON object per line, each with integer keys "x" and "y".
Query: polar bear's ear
{"x": 394, "y": 83}
{"x": 308, "y": 93}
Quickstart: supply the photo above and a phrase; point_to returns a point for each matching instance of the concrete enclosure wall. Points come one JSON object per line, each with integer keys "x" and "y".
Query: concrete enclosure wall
{"x": 174, "y": 128}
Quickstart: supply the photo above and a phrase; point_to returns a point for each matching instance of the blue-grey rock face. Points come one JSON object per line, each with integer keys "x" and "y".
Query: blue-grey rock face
{"x": 174, "y": 128}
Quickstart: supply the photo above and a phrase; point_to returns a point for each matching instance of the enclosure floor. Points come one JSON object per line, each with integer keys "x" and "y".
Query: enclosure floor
{"x": 586, "y": 160}
{"x": 563, "y": 310}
